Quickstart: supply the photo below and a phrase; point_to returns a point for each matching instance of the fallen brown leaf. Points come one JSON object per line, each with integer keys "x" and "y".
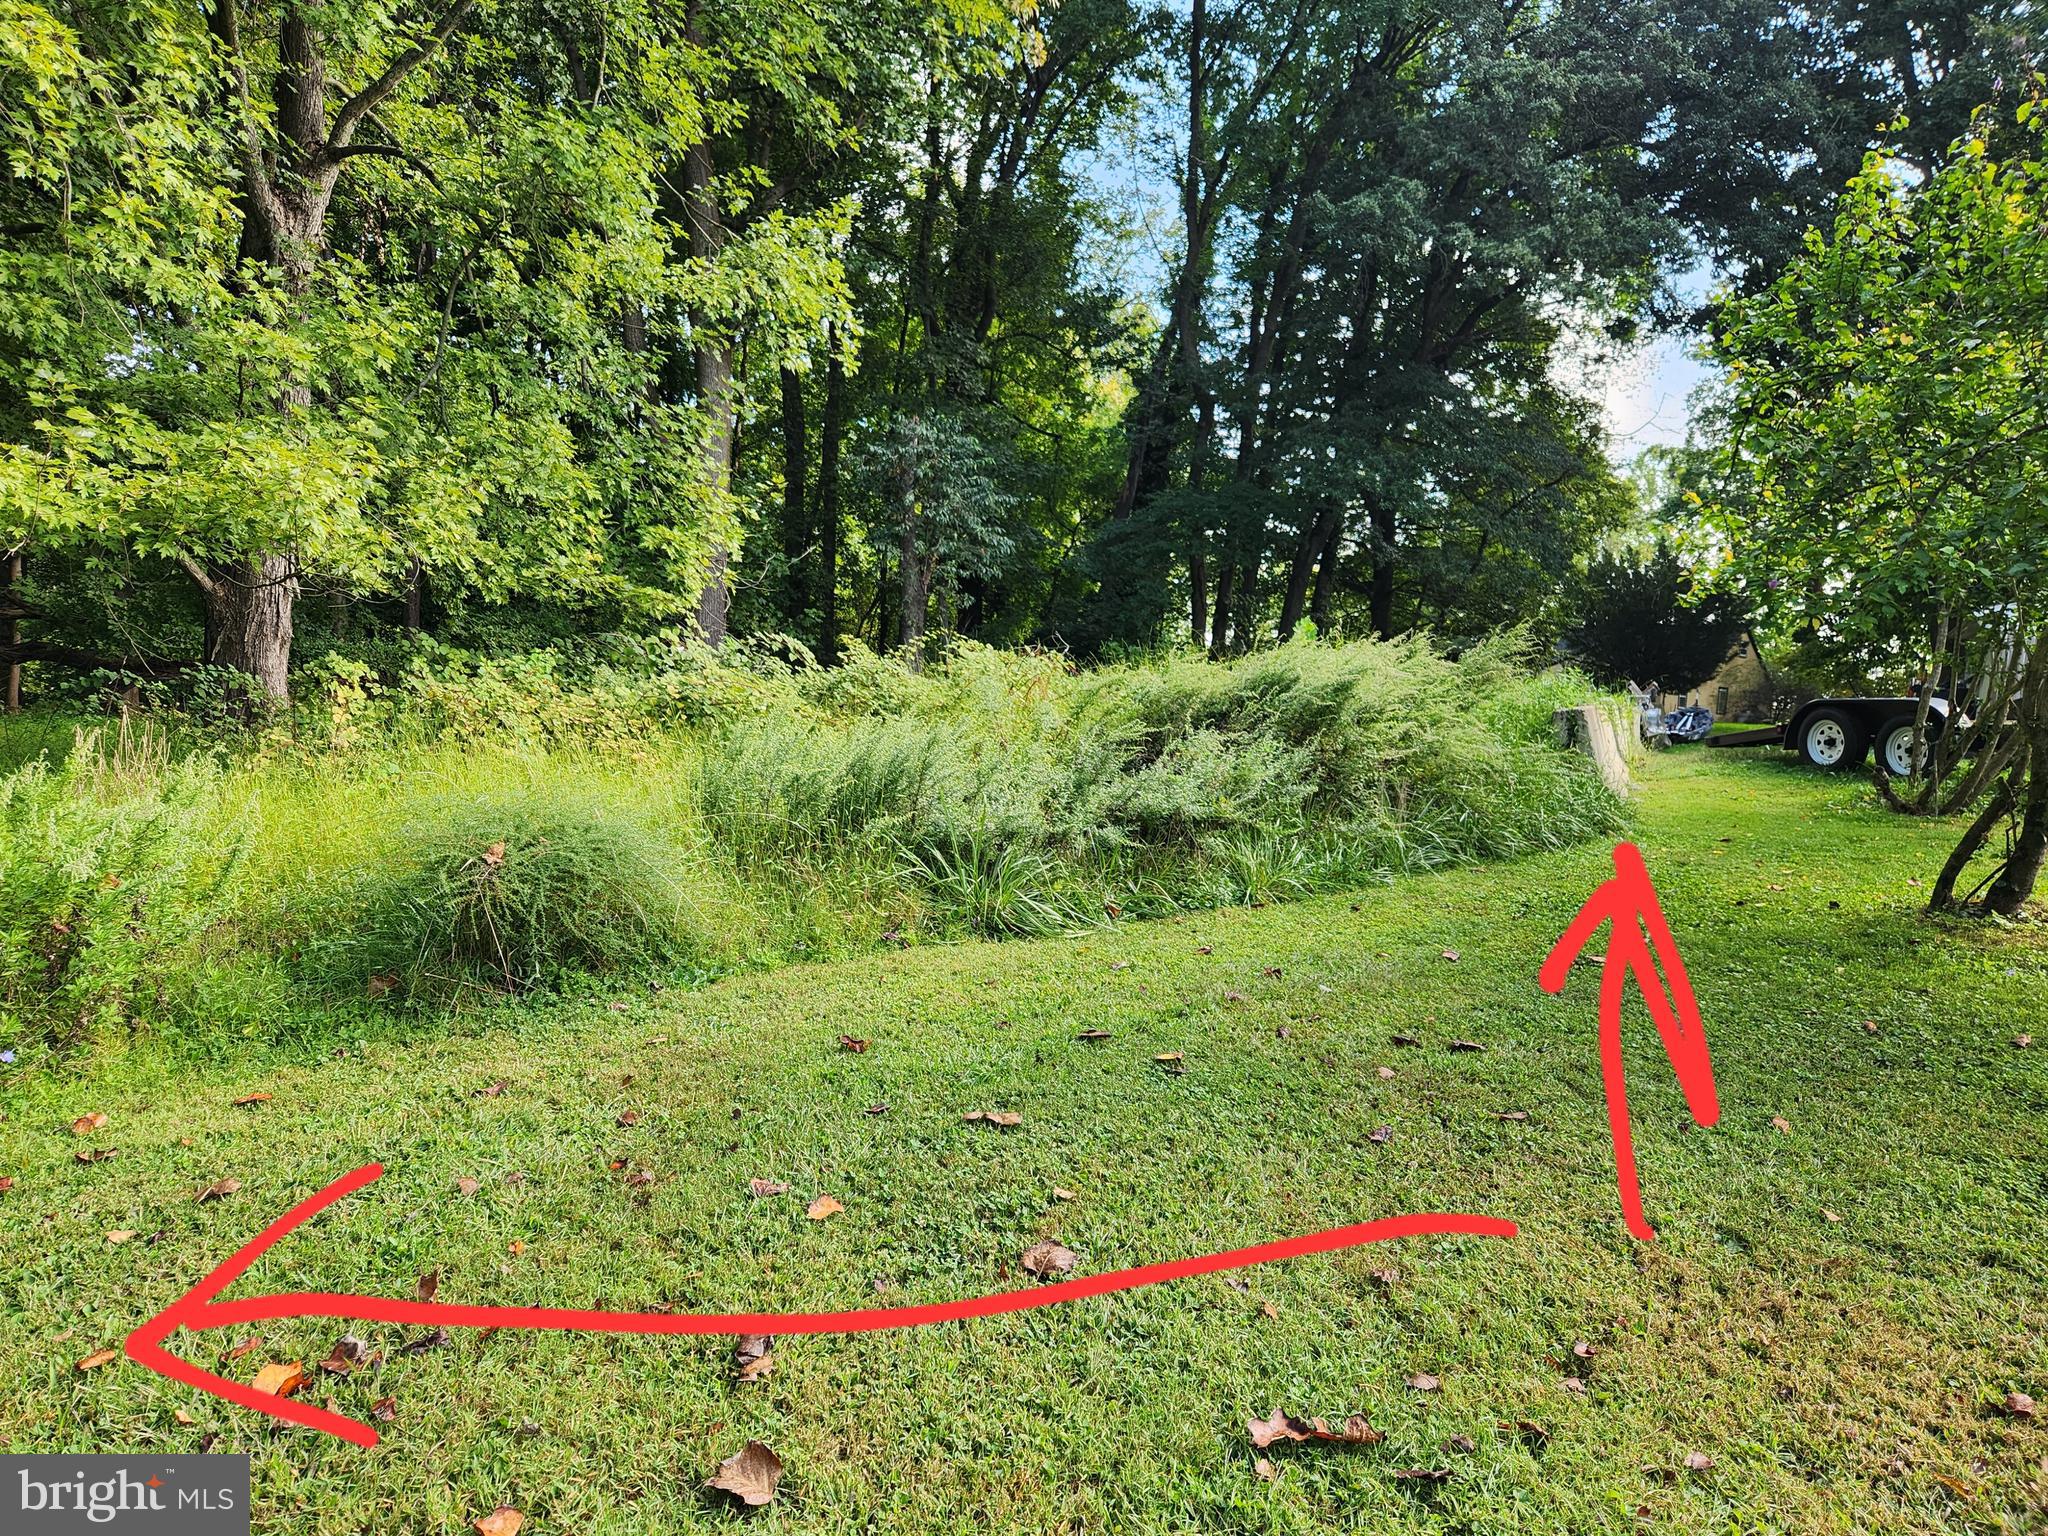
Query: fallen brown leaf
{"x": 822, "y": 1207}
{"x": 1064, "y": 1194}
{"x": 1232, "y": 995}
{"x": 750, "y": 1474}
{"x": 1698, "y": 1461}
{"x": 467, "y": 1186}
{"x": 1870, "y": 1026}
{"x": 1574, "y": 1384}
{"x": 98, "y": 1358}
{"x": 1422, "y": 1381}
{"x": 753, "y": 1356}
{"x": 251, "y": 1098}
{"x": 1529, "y": 1430}
{"x": 426, "y": 1341}
{"x": 1047, "y": 1259}
{"x": 1423, "y": 1474}
{"x": 1381, "y": 1135}
{"x": 876, "y": 1109}
{"x": 629, "y": 1117}
{"x": 1585, "y": 1350}
{"x": 1828, "y": 1215}
{"x": 1516, "y": 1115}
{"x": 95, "y": 1154}
{"x": 5, "y": 1185}
{"x": 1278, "y": 1426}
{"x": 380, "y": 986}
{"x": 762, "y": 1189}
{"x": 85, "y": 1125}
{"x": 1093, "y": 1034}
{"x": 1387, "y": 1277}
{"x": 1450, "y": 954}
{"x": 504, "y": 1520}
{"x": 2018, "y": 1405}
{"x": 1205, "y": 949}
{"x": 384, "y": 1410}
{"x": 493, "y": 1090}
{"x": 1463, "y": 1444}
{"x": 1407, "y": 1040}
{"x": 1270, "y": 1312}
{"x": 849, "y": 1043}
{"x": 1781, "y": 1125}
{"x": 1465, "y": 1045}
{"x": 1265, "y": 1470}
{"x": 1004, "y": 1117}
{"x": 515, "y": 1247}
{"x": 180, "y": 1417}
{"x": 1173, "y": 1061}
{"x": 2023, "y": 1041}
{"x": 1384, "y": 1073}
{"x": 429, "y": 1283}
{"x": 219, "y": 1189}
{"x": 120, "y": 1235}
{"x": 493, "y": 857}
{"x": 243, "y": 1347}
{"x": 280, "y": 1380}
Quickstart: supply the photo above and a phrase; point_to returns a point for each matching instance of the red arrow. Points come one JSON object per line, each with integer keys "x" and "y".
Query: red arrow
{"x": 197, "y": 1308}
{"x": 1630, "y": 902}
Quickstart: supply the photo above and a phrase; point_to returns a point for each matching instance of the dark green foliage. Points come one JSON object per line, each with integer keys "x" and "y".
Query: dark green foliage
{"x": 1647, "y": 622}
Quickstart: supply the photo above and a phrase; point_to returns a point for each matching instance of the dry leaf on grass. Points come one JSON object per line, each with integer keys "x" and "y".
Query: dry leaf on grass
{"x": 467, "y": 1186}
{"x": 180, "y": 1417}
{"x": 251, "y": 1098}
{"x": 243, "y": 1347}
{"x": 1007, "y": 1117}
{"x": 1405, "y": 1040}
{"x": 1466, "y": 1045}
{"x": 98, "y": 1358}
{"x": 2023, "y": 1041}
{"x": 85, "y": 1125}
{"x": 849, "y": 1043}
{"x": 504, "y": 1520}
{"x": 1232, "y": 995}
{"x": 95, "y": 1154}
{"x": 5, "y": 1185}
{"x": 1450, "y": 954}
{"x": 753, "y": 1356}
{"x": 1698, "y": 1461}
{"x": 1265, "y": 1470}
{"x": 219, "y": 1189}
{"x": 1064, "y": 1194}
{"x": 630, "y": 1117}
{"x": 1517, "y": 1115}
{"x": 384, "y": 1410}
{"x": 1387, "y": 1278}
{"x": 1781, "y": 1125}
{"x": 1585, "y": 1350}
{"x": 1529, "y": 1430}
{"x": 1381, "y": 1135}
{"x": 822, "y": 1207}
{"x": 1573, "y": 1384}
{"x": 1047, "y": 1259}
{"x": 380, "y": 986}
{"x": 1422, "y": 1381}
{"x": 120, "y": 1235}
{"x": 2018, "y": 1405}
{"x": 1423, "y": 1474}
{"x": 750, "y": 1474}
{"x": 1384, "y": 1073}
{"x": 761, "y": 1189}
{"x": 280, "y": 1380}
{"x": 1278, "y": 1426}
{"x": 428, "y": 1284}
{"x": 425, "y": 1342}
{"x": 1093, "y": 1034}
{"x": 1465, "y": 1445}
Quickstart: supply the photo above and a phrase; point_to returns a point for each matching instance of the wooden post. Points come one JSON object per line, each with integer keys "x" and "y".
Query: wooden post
{"x": 13, "y": 633}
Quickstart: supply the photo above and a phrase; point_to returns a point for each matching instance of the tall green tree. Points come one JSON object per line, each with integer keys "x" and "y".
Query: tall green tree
{"x": 1886, "y": 426}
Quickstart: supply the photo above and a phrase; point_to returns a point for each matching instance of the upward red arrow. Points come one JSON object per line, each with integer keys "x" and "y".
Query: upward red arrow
{"x": 1630, "y": 903}
{"x": 197, "y": 1308}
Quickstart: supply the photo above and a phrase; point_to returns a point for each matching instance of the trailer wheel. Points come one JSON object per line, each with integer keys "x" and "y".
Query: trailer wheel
{"x": 1832, "y": 739}
{"x": 1895, "y": 745}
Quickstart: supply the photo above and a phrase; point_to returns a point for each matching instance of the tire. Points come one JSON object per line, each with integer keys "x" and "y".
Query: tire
{"x": 1895, "y": 744}
{"x": 1832, "y": 740}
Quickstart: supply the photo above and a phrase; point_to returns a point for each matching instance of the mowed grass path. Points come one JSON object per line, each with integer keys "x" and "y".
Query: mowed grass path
{"x": 1830, "y": 1313}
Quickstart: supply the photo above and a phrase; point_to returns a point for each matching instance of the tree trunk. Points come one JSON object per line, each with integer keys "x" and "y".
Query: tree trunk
{"x": 916, "y": 582}
{"x": 1383, "y": 533}
{"x": 1943, "y": 897}
{"x": 13, "y": 632}
{"x": 415, "y": 595}
{"x": 1198, "y": 589}
{"x": 2015, "y": 883}
{"x": 1219, "y": 630}
{"x": 715, "y": 399}
{"x": 796, "y": 534}
{"x": 831, "y": 429}
{"x": 1313, "y": 539}
{"x": 1326, "y": 577}
{"x": 249, "y": 620}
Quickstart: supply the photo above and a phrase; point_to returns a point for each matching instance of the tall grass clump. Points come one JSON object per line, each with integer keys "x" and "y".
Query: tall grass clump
{"x": 514, "y": 891}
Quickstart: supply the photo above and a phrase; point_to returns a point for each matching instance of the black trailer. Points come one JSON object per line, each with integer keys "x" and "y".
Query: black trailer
{"x": 1838, "y": 734}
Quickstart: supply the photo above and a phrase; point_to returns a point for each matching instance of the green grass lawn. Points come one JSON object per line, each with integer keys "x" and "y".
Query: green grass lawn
{"x": 1832, "y": 1312}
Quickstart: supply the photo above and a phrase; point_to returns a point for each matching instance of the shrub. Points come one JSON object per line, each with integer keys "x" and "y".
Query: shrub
{"x": 516, "y": 891}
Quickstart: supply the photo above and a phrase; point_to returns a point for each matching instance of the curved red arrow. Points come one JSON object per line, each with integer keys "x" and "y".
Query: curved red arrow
{"x": 197, "y": 1309}
{"x": 1630, "y": 901}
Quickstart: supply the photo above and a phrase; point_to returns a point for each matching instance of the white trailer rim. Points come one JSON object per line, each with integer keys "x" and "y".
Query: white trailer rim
{"x": 1826, "y": 742}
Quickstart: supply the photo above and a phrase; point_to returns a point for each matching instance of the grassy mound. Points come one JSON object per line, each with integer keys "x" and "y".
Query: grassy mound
{"x": 314, "y": 881}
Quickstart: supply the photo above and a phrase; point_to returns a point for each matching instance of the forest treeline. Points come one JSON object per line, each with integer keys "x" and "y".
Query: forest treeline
{"x": 1100, "y": 323}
